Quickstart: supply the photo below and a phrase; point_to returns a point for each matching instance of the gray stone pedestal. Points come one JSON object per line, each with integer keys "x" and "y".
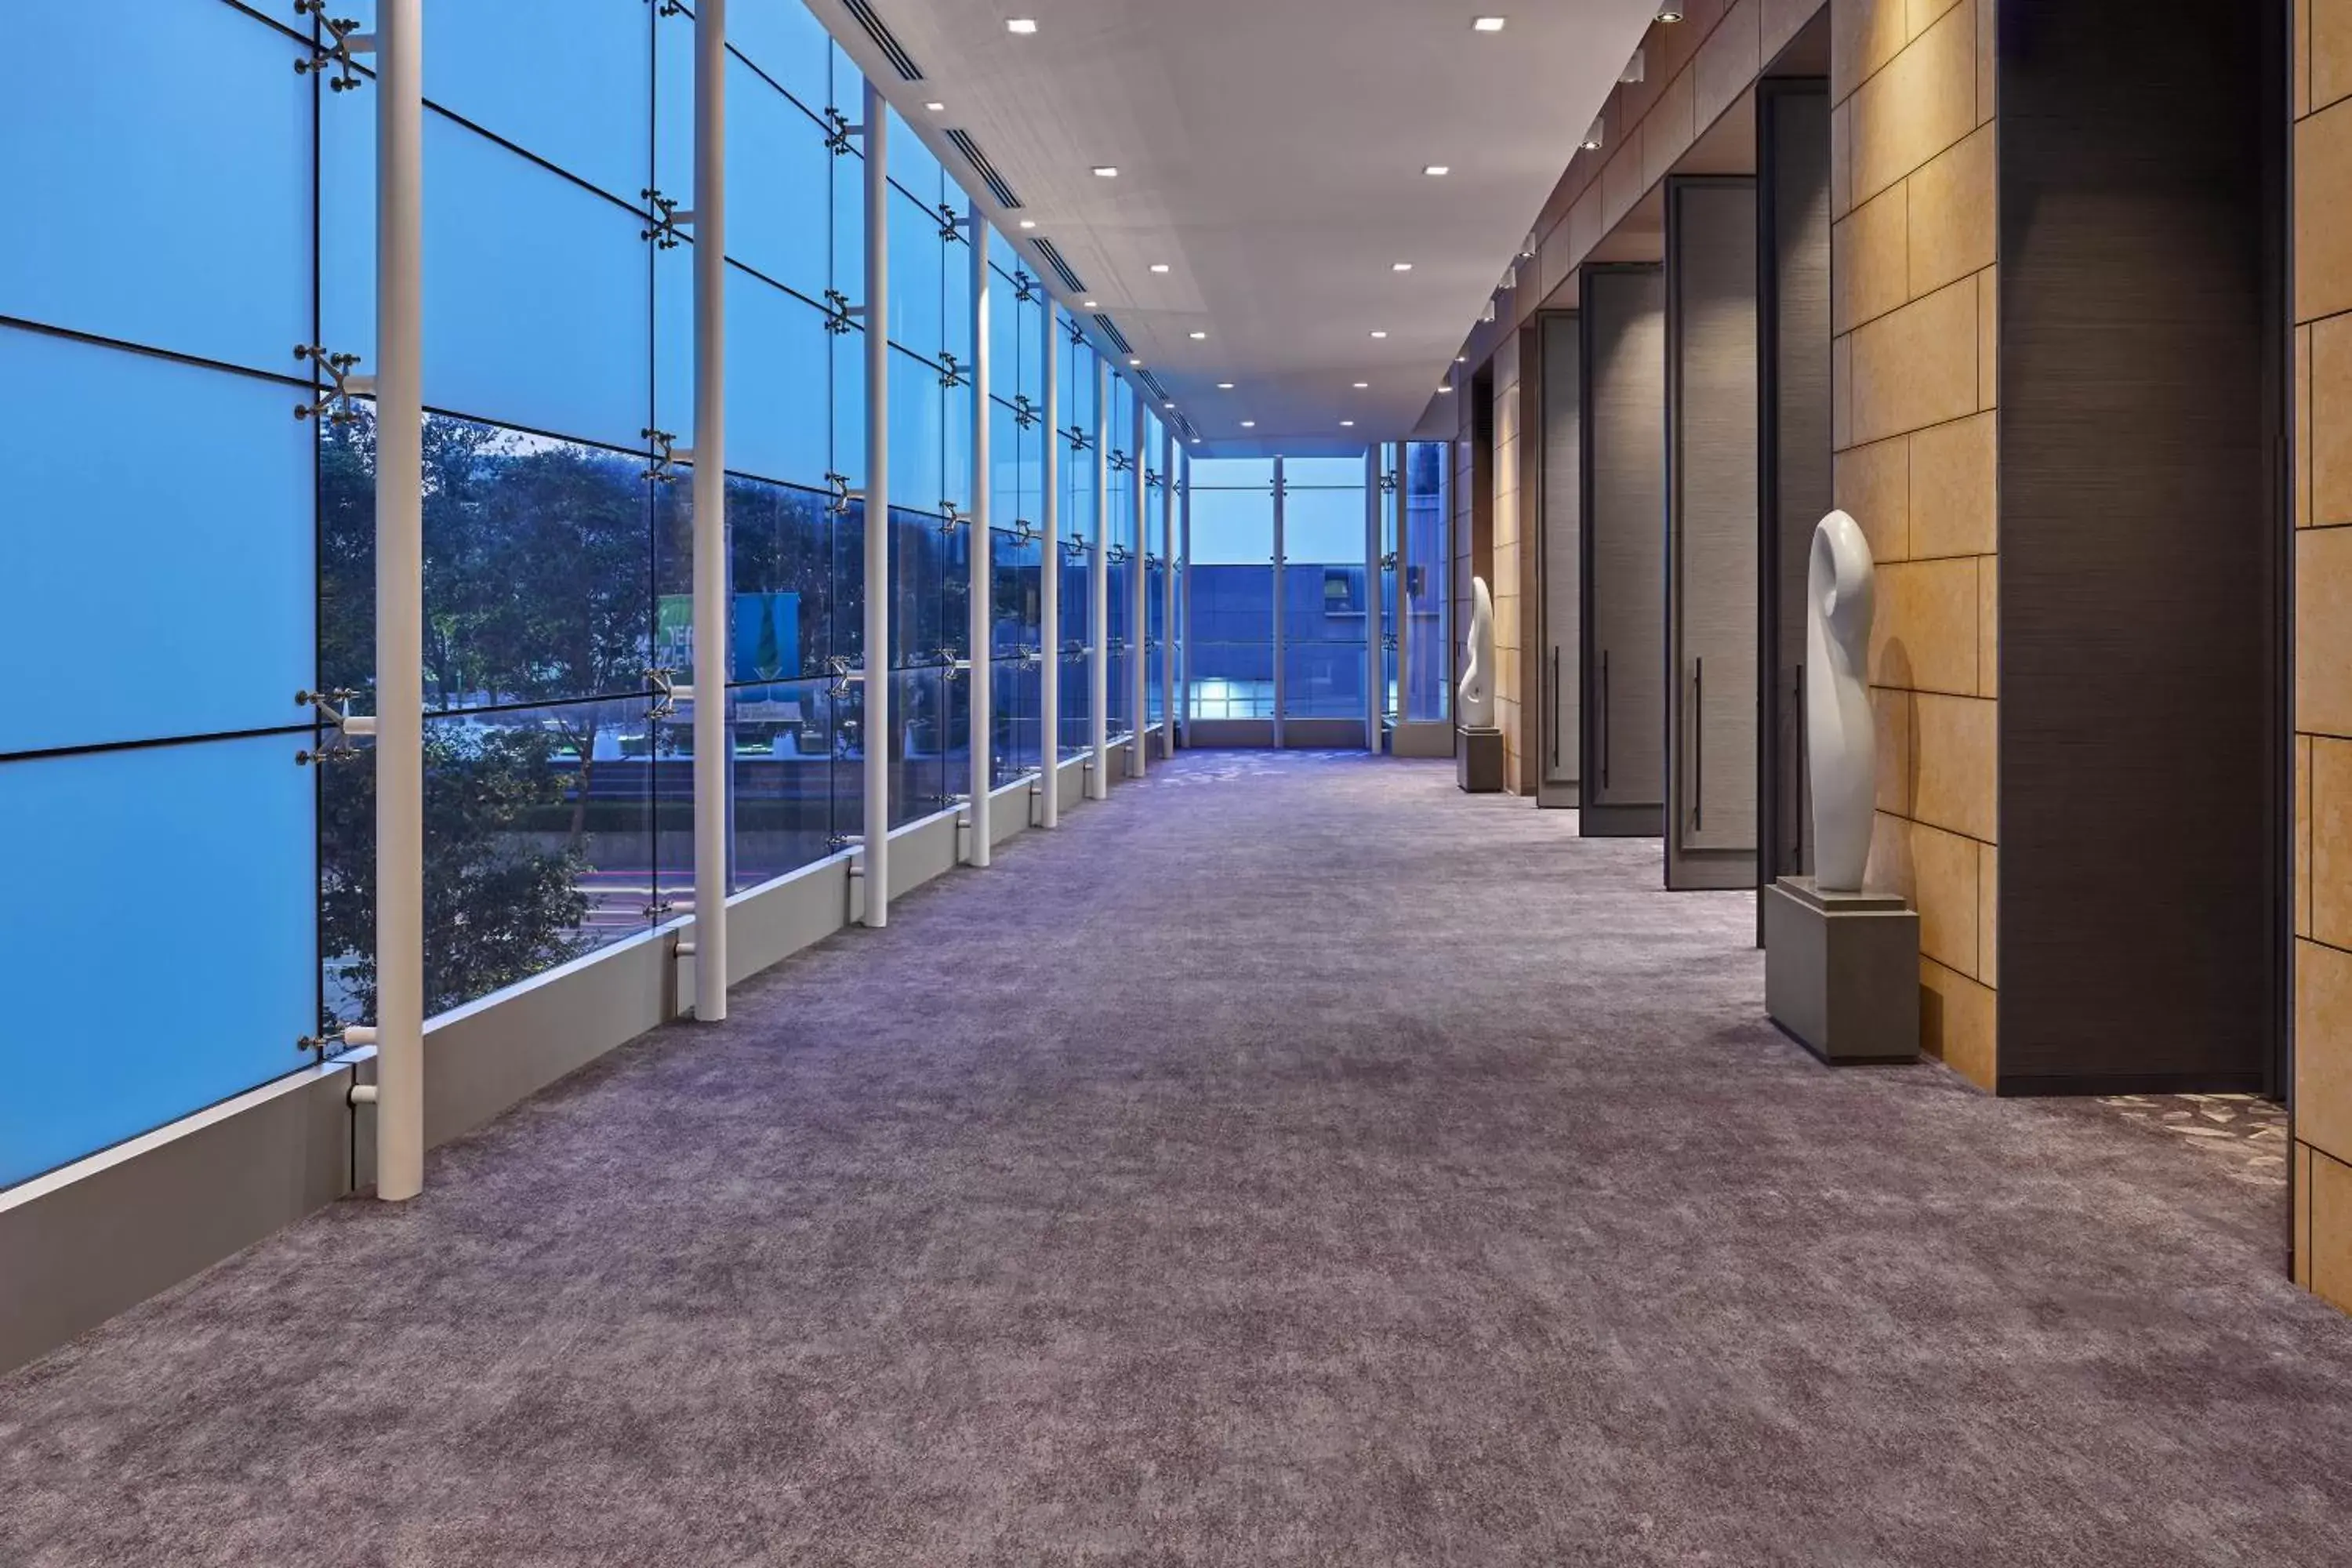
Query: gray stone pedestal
{"x": 1478, "y": 759}
{"x": 1841, "y": 972}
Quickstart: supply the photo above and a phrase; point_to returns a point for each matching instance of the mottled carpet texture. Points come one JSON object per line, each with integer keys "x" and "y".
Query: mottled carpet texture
{"x": 1292, "y": 1161}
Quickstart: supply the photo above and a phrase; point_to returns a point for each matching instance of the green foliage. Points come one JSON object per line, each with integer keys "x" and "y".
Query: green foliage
{"x": 495, "y": 913}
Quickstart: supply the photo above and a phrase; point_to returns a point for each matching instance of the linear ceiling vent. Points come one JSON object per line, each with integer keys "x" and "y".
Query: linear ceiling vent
{"x": 1110, "y": 330}
{"x": 983, "y": 168}
{"x": 1070, "y": 280}
{"x": 1152, "y": 382}
{"x": 884, "y": 39}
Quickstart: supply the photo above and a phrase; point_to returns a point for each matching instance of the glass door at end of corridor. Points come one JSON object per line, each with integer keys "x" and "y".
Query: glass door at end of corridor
{"x": 1324, "y": 583}
{"x": 1230, "y": 668}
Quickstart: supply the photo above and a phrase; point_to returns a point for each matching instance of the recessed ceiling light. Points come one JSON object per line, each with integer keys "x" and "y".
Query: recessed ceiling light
{"x": 1379, "y": 334}
{"x": 1362, "y": 384}
{"x": 1348, "y": 424}
{"x": 1198, "y": 337}
{"x": 1399, "y": 266}
{"x": 1225, "y": 386}
{"x": 1106, "y": 171}
{"x": 937, "y": 108}
{"x": 1090, "y": 304}
{"x": 1486, "y": 25}
{"x": 1458, "y": 359}
{"x": 1159, "y": 266}
{"x": 1670, "y": 12}
{"x": 1135, "y": 362}
{"x": 1196, "y": 440}
{"x": 1022, "y": 25}
{"x": 1435, "y": 169}
{"x": 1028, "y": 223}
{"x": 1442, "y": 390}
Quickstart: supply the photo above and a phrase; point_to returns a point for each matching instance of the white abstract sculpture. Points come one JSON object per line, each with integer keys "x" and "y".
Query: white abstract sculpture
{"x": 1841, "y": 734}
{"x": 1477, "y": 691}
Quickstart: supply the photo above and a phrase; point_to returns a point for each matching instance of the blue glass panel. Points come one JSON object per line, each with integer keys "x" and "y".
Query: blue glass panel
{"x": 918, "y": 439}
{"x": 786, "y": 41}
{"x": 1030, "y": 377}
{"x": 673, "y": 343}
{"x": 956, "y": 411}
{"x": 913, "y": 169}
{"x": 848, "y": 376}
{"x": 1004, "y": 497}
{"x": 848, "y": 217}
{"x": 777, "y": 397}
{"x": 785, "y": 742}
{"x": 1323, "y": 525}
{"x": 535, "y": 289}
{"x": 197, "y": 855}
{"x": 779, "y": 183}
{"x": 673, "y": 107}
{"x": 169, "y": 574}
{"x": 566, "y": 80}
{"x": 917, "y": 277}
{"x": 1316, "y": 472}
{"x": 955, "y": 293}
{"x": 1006, "y": 321}
{"x": 1000, "y": 254}
{"x": 160, "y": 179}
{"x": 1233, "y": 473}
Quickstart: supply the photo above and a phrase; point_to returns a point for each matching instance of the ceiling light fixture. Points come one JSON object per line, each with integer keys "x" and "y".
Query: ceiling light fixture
{"x": 1436, "y": 169}
{"x": 1362, "y": 385}
{"x": 1106, "y": 171}
{"x": 1443, "y": 389}
{"x": 1249, "y": 424}
{"x": 1028, "y": 223}
{"x": 1135, "y": 363}
{"x": 1486, "y": 24}
{"x": 1595, "y": 137}
{"x": 1225, "y": 386}
{"x": 1159, "y": 266}
{"x": 1347, "y": 423}
{"x": 1670, "y": 14}
{"x": 1378, "y": 333}
{"x": 937, "y": 108}
{"x": 1024, "y": 25}
{"x": 1399, "y": 266}
{"x": 1090, "y": 304}
{"x": 1198, "y": 337}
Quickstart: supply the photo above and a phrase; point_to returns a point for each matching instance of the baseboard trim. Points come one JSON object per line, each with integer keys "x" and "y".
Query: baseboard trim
{"x": 2051, "y": 1086}
{"x": 1596, "y": 821}
{"x": 95, "y": 1238}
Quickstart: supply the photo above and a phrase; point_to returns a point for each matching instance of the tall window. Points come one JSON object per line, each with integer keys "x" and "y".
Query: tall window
{"x": 1324, "y": 607}
{"x": 1230, "y": 655}
{"x": 220, "y": 558}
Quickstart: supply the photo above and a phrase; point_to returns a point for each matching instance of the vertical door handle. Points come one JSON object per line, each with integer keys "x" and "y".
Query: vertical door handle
{"x": 1555, "y": 708}
{"x": 1699, "y": 744}
{"x": 1604, "y": 718}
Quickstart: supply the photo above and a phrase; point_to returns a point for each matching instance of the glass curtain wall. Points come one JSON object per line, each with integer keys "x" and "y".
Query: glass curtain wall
{"x": 206, "y": 572}
{"x": 1229, "y": 667}
{"x": 1324, "y": 608}
{"x": 1119, "y": 533}
{"x": 1390, "y": 572}
{"x": 1080, "y": 506}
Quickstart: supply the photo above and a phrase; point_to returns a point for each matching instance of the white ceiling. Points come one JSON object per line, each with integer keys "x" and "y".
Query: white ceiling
{"x": 1271, "y": 152}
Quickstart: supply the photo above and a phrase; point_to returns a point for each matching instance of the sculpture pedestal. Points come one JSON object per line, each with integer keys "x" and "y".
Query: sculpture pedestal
{"x": 1478, "y": 759}
{"x": 1841, "y": 972}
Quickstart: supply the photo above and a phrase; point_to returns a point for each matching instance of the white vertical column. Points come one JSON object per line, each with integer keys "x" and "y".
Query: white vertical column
{"x": 982, "y": 577}
{"x": 1049, "y": 584}
{"x": 1098, "y": 593}
{"x": 1375, "y": 661}
{"x": 400, "y": 601}
{"x": 1169, "y": 491}
{"x": 1139, "y": 666}
{"x": 876, "y": 837}
{"x": 711, "y": 606}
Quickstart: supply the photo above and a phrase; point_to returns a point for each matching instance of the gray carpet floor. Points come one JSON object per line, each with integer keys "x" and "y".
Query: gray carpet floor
{"x": 1292, "y": 1161}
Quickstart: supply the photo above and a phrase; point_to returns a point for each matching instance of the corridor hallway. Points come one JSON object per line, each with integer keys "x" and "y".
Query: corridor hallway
{"x": 1292, "y": 1162}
